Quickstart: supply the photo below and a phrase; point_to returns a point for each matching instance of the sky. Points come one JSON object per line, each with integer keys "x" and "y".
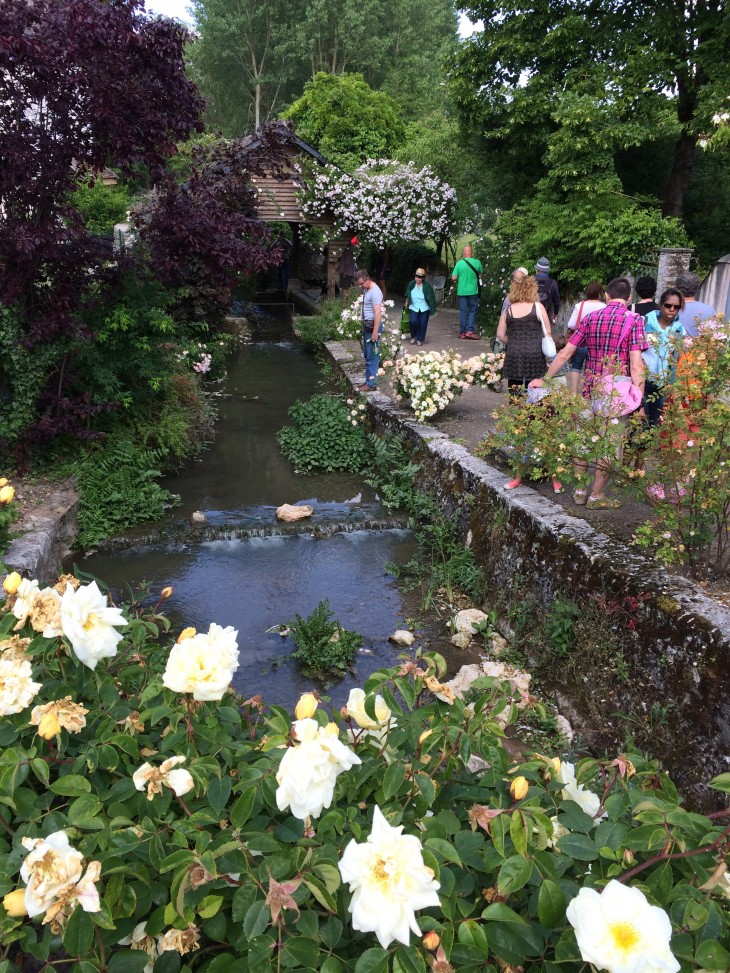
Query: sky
{"x": 179, "y": 10}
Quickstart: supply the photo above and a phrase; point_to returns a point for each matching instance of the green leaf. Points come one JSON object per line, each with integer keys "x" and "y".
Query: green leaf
{"x": 427, "y": 787}
{"x": 407, "y": 959}
{"x": 257, "y": 919}
{"x": 514, "y": 874}
{"x": 330, "y": 875}
{"x": 393, "y": 780}
{"x": 518, "y": 832}
{"x": 78, "y": 934}
{"x": 40, "y": 769}
{"x": 321, "y": 893}
{"x": 209, "y": 906}
{"x": 218, "y": 792}
{"x": 72, "y": 785}
{"x": 578, "y": 846}
{"x": 241, "y": 810}
{"x": 444, "y": 849}
{"x": 169, "y": 962}
{"x": 712, "y": 956}
{"x": 128, "y": 961}
{"x": 472, "y": 934}
{"x": 373, "y": 960}
{"x": 181, "y": 857}
{"x": 511, "y": 937}
{"x": 551, "y": 904}
{"x": 721, "y": 783}
{"x": 83, "y": 813}
{"x": 331, "y": 965}
{"x": 301, "y": 951}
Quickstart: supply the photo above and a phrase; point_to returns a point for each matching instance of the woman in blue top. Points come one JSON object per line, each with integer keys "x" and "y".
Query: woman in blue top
{"x": 421, "y": 302}
{"x": 664, "y": 334}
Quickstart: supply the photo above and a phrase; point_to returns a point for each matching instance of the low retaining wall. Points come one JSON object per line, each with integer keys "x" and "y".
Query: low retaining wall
{"x": 40, "y": 550}
{"x": 674, "y": 668}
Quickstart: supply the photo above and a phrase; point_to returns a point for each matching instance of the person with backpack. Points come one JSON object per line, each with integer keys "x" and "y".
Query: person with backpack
{"x": 547, "y": 289}
{"x": 467, "y": 277}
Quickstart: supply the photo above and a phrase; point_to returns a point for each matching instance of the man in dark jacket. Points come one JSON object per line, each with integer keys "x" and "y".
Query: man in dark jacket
{"x": 547, "y": 289}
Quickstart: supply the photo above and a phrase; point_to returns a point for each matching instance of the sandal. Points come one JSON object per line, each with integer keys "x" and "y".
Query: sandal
{"x": 472, "y": 335}
{"x": 603, "y": 503}
{"x": 512, "y": 484}
{"x": 580, "y": 497}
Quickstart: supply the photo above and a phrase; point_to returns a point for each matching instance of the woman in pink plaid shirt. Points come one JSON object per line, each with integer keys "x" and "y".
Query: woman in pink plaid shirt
{"x": 600, "y": 331}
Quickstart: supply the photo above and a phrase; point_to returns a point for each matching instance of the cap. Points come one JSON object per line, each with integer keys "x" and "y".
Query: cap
{"x": 543, "y": 265}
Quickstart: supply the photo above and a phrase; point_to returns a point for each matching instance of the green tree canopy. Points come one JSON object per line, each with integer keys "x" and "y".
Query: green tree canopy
{"x": 575, "y": 83}
{"x": 346, "y": 120}
{"x": 251, "y": 59}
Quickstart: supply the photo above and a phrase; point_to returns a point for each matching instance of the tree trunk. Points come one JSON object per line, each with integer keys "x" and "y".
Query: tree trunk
{"x": 680, "y": 175}
{"x": 257, "y": 104}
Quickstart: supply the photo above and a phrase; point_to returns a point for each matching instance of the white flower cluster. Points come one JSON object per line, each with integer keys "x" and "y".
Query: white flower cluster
{"x": 383, "y": 200}
{"x": 357, "y": 412}
{"x": 203, "y": 663}
{"x": 203, "y": 364}
{"x": 434, "y": 379}
{"x": 55, "y": 879}
{"x": 349, "y": 328}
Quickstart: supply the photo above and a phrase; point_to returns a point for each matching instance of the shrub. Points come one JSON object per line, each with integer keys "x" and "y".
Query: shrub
{"x": 116, "y": 481}
{"x": 323, "y": 647}
{"x": 323, "y": 436}
{"x": 100, "y": 206}
{"x": 208, "y": 830}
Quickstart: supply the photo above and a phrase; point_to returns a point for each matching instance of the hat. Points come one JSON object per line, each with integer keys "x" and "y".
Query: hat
{"x": 523, "y": 270}
{"x": 543, "y": 265}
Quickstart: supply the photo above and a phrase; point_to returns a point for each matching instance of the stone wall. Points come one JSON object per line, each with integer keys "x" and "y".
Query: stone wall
{"x": 676, "y": 638}
{"x": 46, "y": 541}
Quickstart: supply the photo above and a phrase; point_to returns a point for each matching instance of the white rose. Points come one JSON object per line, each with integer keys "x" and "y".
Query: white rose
{"x": 573, "y": 791}
{"x": 204, "y": 664}
{"x": 618, "y": 931}
{"x": 50, "y": 865}
{"x": 153, "y": 778}
{"x": 308, "y": 771}
{"x": 88, "y": 621}
{"x": 389, "y": 880}
{"x": 17, "y": 688}
{"x": 356, "y": 710}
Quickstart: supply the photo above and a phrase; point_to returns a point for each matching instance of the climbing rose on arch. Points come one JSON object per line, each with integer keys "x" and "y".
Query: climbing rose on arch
{"x": 383, "y": 200}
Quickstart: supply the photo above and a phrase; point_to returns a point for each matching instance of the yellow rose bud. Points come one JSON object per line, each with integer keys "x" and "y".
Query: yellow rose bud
{"x": 518, "y": 788}
{"x": 306, "y": 706}
{"x": 6, "y": 494}
{"x": 3, "y": 481}
{"x": 12, "y": 583}
{"x": 187, "y": 633}
{"x": 49, "y": 726}
{"x": 166, "y": 592}
{"x": 424, "y": 736}
{"x": 14, "y": 903}
{"x": 431, "y": 940}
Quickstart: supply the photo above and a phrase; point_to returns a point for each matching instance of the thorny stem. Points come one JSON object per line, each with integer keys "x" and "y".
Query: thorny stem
{"x": 676, "y": 854}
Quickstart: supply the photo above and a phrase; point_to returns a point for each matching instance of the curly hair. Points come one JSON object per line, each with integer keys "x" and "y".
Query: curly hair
{"x": 523, "y": 290}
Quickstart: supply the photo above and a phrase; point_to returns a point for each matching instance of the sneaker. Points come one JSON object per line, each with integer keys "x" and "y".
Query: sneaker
{"x": 419, "y": 343}
{"x": 580, "y": 497}
{"x": 512, "y": 484}
{"x": 603, "y": 503}
{"x": 472, "y": 334}
{"x": 413, "y": 341}
{"x": 367, "y": 388}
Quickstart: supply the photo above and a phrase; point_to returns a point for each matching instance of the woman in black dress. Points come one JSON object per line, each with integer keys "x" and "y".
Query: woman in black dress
{"x": 522, "y": 327}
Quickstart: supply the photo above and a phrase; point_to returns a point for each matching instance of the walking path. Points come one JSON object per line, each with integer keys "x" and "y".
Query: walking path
{"x": 468, "y": 420}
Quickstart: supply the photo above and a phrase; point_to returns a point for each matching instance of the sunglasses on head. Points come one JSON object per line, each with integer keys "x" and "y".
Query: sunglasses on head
{"x": 672, "y": 307}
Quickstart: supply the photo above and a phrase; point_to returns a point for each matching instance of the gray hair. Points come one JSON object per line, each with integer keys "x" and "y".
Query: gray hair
{"x": 687, "y": 283}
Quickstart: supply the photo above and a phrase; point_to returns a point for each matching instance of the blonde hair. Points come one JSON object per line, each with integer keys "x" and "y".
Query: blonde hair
{"x": 420, "y": 270}
{"x": 523, "y": 290}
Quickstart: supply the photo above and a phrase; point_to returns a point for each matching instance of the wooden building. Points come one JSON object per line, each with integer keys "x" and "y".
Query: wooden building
{"x": 278, "y": 201}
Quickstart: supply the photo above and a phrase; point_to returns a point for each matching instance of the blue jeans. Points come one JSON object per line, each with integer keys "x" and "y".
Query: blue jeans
{"x": 419, "y": 323}
{"x": 468, "y": 313}
{"x": 371, "y": 350}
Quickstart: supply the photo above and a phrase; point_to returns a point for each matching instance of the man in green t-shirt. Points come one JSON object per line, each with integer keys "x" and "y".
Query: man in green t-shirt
{"x": 467, "y": 277}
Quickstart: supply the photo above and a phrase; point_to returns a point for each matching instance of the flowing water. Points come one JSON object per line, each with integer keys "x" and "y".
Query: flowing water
{"x": 254, "y": 583}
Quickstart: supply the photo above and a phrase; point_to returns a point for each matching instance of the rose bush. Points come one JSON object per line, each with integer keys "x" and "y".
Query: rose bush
{"x": 431, "y": 380}
{"x": 429, "y": 845}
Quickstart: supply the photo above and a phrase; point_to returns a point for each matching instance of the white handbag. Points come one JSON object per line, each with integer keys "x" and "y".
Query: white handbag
{"x": 548, "y": 345}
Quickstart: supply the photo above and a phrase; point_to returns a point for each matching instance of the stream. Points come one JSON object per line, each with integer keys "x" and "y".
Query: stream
{"x": 244, "y": 570}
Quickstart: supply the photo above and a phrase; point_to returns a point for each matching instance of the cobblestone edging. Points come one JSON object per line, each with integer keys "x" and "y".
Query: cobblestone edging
{"x": 51, "y": 528}
{"x": 531, "y": 550}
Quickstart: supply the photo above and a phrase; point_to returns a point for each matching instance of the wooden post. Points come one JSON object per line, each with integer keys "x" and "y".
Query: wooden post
{"x": 332, "y": 260}
{"x": 296, "y": 249}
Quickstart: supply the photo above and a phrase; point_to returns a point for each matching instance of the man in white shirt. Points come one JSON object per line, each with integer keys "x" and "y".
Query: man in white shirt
{"x": 372, "y": 312}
